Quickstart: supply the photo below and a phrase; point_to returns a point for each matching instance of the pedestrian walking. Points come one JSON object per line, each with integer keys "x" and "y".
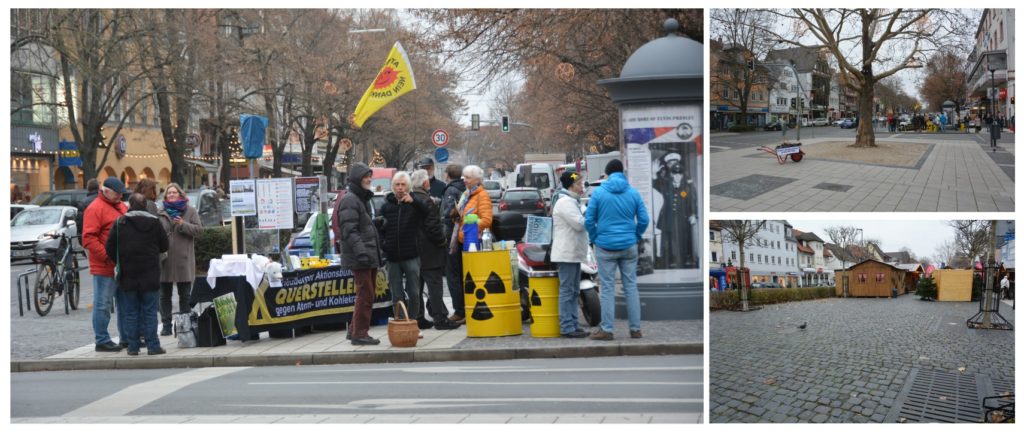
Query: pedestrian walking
{"x": 431, "y": 242}
{"x": 616, "y": 219}
{"x": 99, "y": 217}
{"x": 1004, "y": 287}
{"x": 453, "y": 260}
{"x": 136, "y": 242}
{"x": 357, "y": 235}
{"x": 568, "y": 249}
{"x": 147, "y": 187}
{"x": 404, "y": 216}
{"x": 182, "y": 224}
{"x": 437, "y": 187}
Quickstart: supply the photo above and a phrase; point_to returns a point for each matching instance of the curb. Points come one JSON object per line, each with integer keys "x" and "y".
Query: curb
{"x": 388, "y": 356}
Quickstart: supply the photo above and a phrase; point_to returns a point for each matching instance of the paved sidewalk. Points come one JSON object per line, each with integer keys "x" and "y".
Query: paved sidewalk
{"x": 954, "y": 175}
{"x": 331, "y": 347}
{"x": 498, "y": 418}
{"x": 858, "y": 360}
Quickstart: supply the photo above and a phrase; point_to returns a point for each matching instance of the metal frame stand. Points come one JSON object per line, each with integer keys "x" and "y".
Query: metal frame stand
{"x": 28, "y": 296}
{"x": 988, "y": 316}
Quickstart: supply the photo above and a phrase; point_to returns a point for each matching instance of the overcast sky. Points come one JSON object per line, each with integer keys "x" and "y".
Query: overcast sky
{"x": 920, "y": 236}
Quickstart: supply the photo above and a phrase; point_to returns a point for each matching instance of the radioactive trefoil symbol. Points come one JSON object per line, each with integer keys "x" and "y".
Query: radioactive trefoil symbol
{"x": 493, "y": 285}
{"x": 534, "y": 298}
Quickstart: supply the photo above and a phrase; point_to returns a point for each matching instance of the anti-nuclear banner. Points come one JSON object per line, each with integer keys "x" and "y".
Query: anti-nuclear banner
{"x": 313, "y": 293}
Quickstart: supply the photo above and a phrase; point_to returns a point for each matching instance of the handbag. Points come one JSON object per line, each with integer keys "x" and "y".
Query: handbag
{"x": 185, "y": 325}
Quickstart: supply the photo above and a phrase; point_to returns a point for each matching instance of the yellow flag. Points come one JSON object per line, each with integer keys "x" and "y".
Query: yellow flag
{"x": 394, "y": 79}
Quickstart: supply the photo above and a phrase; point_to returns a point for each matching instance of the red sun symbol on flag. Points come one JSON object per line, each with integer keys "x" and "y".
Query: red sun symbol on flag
{"x": 385, "y": 78}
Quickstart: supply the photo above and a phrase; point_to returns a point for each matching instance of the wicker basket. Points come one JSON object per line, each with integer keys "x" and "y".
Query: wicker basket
{"x": 403, "y": 333}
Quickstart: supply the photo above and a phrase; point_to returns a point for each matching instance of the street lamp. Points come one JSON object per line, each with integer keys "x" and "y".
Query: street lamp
{"x": 996, "y": 61}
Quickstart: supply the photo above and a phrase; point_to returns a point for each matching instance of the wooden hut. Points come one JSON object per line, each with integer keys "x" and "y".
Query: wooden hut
{"x": 954, "y": 284}
{"x": 871, "y": 279}
{"x": 914, "y": 272}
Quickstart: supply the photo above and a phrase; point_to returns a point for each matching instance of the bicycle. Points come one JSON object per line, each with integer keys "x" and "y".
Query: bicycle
{"x": 57, "y": 271}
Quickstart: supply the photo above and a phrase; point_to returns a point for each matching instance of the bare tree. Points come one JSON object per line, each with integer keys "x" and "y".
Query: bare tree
{"x": 744, "y": 234}
{"x": 972, "y": 239}
{"x": 744, "y": 41}
{"x": 871, "y": 44}
{"x": 946, "y": 80}
{"x": 946, "y": 253}
{"x": 843, "y": 237}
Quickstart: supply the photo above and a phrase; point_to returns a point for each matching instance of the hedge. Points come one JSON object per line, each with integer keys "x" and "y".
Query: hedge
{"x": 214, "y": 242}
{"x": 731, "y": 299}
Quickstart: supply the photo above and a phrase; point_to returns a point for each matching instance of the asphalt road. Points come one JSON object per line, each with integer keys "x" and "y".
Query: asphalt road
{"x": 584, "y": 386}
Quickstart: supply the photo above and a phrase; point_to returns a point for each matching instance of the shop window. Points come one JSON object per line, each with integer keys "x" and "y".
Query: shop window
{"x": 879, "y": 277}
{"x": 862, "y": 278}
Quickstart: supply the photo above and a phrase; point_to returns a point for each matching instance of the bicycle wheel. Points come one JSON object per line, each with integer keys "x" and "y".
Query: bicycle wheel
{"x": 43, "y": 295}
{"x": 73, "y": 284}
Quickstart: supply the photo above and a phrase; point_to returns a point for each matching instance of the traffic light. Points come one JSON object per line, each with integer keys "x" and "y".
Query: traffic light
{"x": 504, "y": 123}
{"x": 475, "y": 123}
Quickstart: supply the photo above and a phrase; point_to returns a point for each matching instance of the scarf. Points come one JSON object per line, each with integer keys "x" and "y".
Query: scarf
{"x": 177, "y": 208}
{"x": 464, "y": 200}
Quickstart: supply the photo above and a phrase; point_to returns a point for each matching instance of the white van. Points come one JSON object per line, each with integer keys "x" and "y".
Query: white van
{"x": 538, "y": 175}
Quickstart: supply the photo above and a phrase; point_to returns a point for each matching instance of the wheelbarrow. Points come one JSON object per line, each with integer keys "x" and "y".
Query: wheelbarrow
{"x": 784, "y": 151}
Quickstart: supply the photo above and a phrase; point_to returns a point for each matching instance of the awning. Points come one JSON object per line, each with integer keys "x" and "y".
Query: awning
{"x": 202, "y": 164}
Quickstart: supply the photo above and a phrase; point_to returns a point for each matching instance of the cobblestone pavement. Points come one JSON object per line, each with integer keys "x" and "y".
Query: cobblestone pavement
{"x": 851, "y": 362}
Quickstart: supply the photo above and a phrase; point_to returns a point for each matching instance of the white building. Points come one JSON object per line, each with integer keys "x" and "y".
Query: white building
{"x": 813, "y": 269}
{"x": 782, "y": 102}
{"x": 1006, "y": 238}
{"x": 772, "y": 256}
{"x": 715, "y": 245}
{"x": 994, "y": 36}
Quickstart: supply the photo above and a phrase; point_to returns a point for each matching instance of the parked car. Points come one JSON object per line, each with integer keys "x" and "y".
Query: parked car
{"x": 847, "y": 124}
{"x": 526, "y": 201}
{"x": 66, "y": 197}
{"x": 773, "y": 126}
{"x": 30, "y": 229}
{"x": 213, "y": 210}
{"x": 17, "y": 208}
{"x": 494, "y": 189}
{"x": 301, "y": 242}
{"x": 821, "y": 121}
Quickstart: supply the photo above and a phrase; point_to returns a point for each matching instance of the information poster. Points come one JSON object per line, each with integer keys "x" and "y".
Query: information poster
{"x": 243, "y": 197}
{"x": 274, "y": 204}
{"x": 538, "y": 230}
{"x": 225, "y": 306}
{"x": 307, "y": 194}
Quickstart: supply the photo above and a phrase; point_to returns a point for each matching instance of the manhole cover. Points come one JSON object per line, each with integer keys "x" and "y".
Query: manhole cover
{"x": 833, "y": 187}
{"x": 748, "y": 187}
{"x": 937, "y": 396}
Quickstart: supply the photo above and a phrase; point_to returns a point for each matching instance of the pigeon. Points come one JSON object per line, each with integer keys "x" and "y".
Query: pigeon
{"x": 804, "y": 326}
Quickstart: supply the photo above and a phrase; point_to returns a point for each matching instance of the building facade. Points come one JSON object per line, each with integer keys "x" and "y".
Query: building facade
{"x": 814, "y": 273}
{"x": 772, "y": 258}
{"x": 728, "y": 64}
{"x": 993, "y": 85}
{"x": 814, "y": 73}
{"x": 716, "y": 260}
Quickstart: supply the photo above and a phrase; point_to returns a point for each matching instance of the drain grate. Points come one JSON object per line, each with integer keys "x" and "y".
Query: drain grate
{"x": 748, "y": 187}
{"x": 833, "y": 187}
{"x": 1001, "y": 387}
{"x": 938, "y": 396}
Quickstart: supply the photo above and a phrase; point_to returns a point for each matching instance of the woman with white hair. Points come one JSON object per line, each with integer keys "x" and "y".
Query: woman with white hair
{"x": 474, "y": 201}
{"x": 403, "y": 217}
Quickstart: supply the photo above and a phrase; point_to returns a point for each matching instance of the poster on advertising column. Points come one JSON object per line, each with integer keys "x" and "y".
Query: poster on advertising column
{"x": 274, "y": 204}
{"x": 307, "y": 193}
{"x": 663, "y": 162}
{"x": 243, "y": 197}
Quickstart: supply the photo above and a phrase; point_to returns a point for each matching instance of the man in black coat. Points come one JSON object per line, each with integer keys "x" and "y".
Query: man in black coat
{"x": 136, "y": 241}
{"x": 403, "y": 218}
{"x": 436, "y": 187}
{"x": 453, "y": 266}
{"x": 357, "y": 235}
{"x": 433, "y": 250}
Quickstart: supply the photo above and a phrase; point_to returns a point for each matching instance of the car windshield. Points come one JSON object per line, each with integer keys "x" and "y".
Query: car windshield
{"x": 42, "y": 198}
{"x": 37, "y": 217}
{"x": 521, "y": 195}
{"x": 536, "y": 180}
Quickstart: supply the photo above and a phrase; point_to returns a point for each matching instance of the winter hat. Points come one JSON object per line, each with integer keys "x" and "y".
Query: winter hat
{"x": 614, "y": 166}
{"x": 568, "y": 178}
{"x": 114, "y": 184}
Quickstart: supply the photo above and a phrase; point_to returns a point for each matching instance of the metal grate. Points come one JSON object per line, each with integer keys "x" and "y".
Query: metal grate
{"x": 1002, "y": 387}
{"x": 748, "y": 187}
{"x": 937, "y": 396}
{"x": 833, "y": 187}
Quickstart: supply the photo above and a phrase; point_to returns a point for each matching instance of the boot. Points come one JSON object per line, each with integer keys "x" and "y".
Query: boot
{"x": 165, "y": 329}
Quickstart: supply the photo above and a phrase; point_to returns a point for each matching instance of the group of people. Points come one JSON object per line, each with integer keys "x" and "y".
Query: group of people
{"x": 419, "y": 234}
{"x": 137, "y": 254}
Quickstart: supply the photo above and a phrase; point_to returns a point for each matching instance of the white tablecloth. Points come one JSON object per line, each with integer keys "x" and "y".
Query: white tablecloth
{"x": 234, "y": 268}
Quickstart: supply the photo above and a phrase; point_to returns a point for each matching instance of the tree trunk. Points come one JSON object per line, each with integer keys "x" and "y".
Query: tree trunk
{"x": 744, "y": 290}
{"x": 865, "y": 133}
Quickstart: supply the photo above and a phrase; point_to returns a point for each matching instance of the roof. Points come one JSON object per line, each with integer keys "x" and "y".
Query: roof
{"x": 804, "y": 249}
{"x": 807, "y": 236}
{"x": 804, "y": 58}
{"x": 853, "y": 253}
{"x": 910, "y": 267}
{"x": 714, "y": 225}
{"x": 876, "y": 261}
{"x": 900, "y": 256}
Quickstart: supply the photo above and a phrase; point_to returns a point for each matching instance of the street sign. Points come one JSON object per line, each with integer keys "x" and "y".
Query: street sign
{"x": 441, "y": 154}
{"x": 439, "y": 138}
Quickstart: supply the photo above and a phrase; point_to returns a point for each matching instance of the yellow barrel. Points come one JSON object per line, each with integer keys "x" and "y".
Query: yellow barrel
{"x": 544, "y": 307}
{"x": 492, "y": 299}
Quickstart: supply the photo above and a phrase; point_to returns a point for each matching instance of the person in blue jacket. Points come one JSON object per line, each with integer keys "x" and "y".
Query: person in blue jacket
{"x": 616, "y": 219}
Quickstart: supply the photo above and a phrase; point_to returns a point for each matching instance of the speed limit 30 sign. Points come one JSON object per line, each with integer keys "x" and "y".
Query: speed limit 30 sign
{"x": 439, "y": 138}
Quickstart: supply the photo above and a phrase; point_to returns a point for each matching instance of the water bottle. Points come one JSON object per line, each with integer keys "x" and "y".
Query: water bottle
{"x": 487, "y": 240}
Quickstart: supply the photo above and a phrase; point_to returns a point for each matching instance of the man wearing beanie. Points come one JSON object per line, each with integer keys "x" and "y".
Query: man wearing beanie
{"x": 616, "y": 219}
{"x": 568, "y": 250}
